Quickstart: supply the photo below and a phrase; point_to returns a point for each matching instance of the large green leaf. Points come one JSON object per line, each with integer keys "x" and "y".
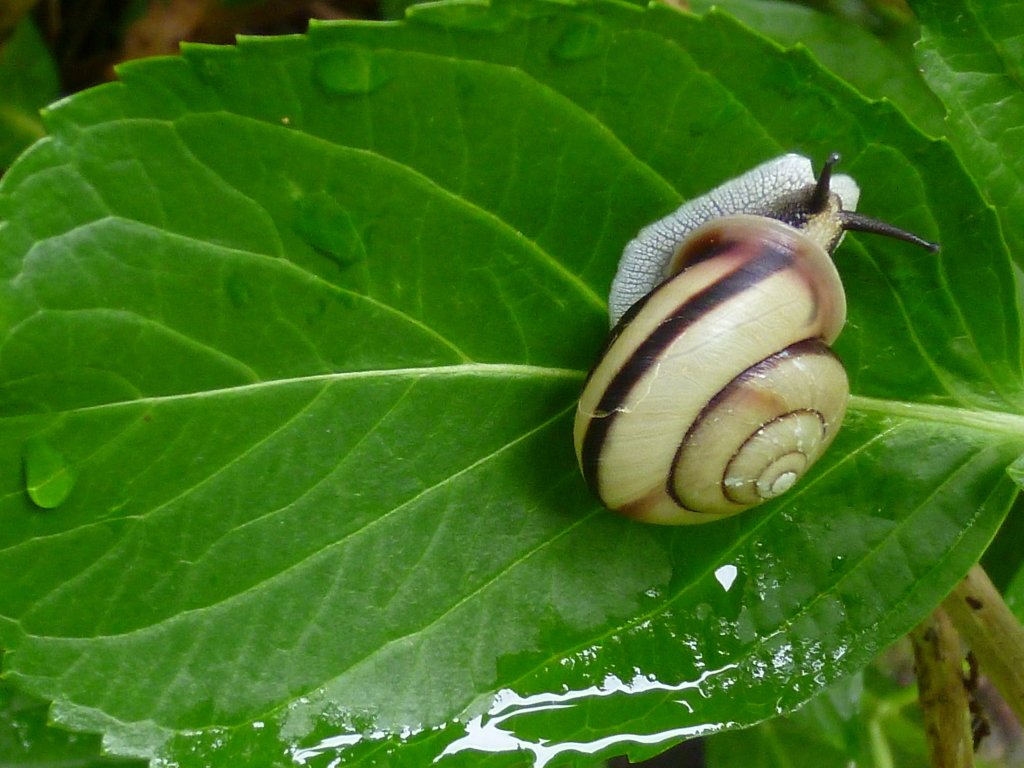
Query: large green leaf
{"x": 972, "y": 57}
{"x": 305, "y": 321}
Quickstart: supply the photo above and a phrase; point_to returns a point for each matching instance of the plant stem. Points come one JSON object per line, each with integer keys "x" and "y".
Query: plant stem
{"x": 881, "y": 752}
{"x": 941, "y": 692}
{"x": 994, "y": 634}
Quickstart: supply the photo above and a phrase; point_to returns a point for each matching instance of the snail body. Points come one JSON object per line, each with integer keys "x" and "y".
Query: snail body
{"x": 716, "y": 389}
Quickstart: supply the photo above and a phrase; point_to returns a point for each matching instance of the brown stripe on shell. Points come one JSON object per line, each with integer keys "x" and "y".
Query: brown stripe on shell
{"x": 616, "y": 331}
{"x": 704, "y": 246}
{"x": 640, "y": 509}
{"x": 813, "y": 346}
{"x": 763, "y": 259}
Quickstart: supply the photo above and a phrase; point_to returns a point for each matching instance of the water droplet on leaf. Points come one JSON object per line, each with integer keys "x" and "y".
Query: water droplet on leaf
{"x": 238, "y": 291}
{"x": 350, "y": 70}
{"x": 726, "y": 575}
{"x": 48, "y": 478}
{"x": 472, "y": 16}
{"x": 582, "y": 39}
{"x": 328, "y": 228}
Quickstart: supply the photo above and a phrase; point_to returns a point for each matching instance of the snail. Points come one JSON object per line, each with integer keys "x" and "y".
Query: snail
{"x": 716, "y": 389}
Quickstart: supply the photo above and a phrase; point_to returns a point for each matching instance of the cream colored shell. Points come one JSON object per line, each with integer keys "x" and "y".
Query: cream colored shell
{"x": 718, "y": 390}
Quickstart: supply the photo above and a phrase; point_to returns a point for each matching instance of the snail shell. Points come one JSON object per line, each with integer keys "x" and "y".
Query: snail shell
{"x": 716, "y": 389}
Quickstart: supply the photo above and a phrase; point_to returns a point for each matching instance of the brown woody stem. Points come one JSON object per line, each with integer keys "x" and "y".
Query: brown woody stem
{"x": 941, "y": 693}
{"x": 990, "y": 629}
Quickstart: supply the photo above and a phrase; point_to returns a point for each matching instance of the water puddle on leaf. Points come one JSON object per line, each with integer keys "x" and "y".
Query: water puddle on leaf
{"x": 514, "y": 723}
{"x": 326, "y": 226}
{"x": 350, "y": 70}
{"x": 495, "y": 731}
{"x": 48, "y": 478}
{"x": 582, "y": 39}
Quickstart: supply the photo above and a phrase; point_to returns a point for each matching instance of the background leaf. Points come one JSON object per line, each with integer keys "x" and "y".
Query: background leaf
{"x": 308, "y": 318}
{"x": 972, "y": 57}
{"x": 28, "y": 82}
{"x": 879, "y": 67}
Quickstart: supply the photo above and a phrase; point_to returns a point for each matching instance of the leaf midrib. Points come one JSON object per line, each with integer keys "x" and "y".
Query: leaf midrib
{"x": 989, "y": 421}
{"x": 998, "y": 422}
{"x": 490, "y": 370}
